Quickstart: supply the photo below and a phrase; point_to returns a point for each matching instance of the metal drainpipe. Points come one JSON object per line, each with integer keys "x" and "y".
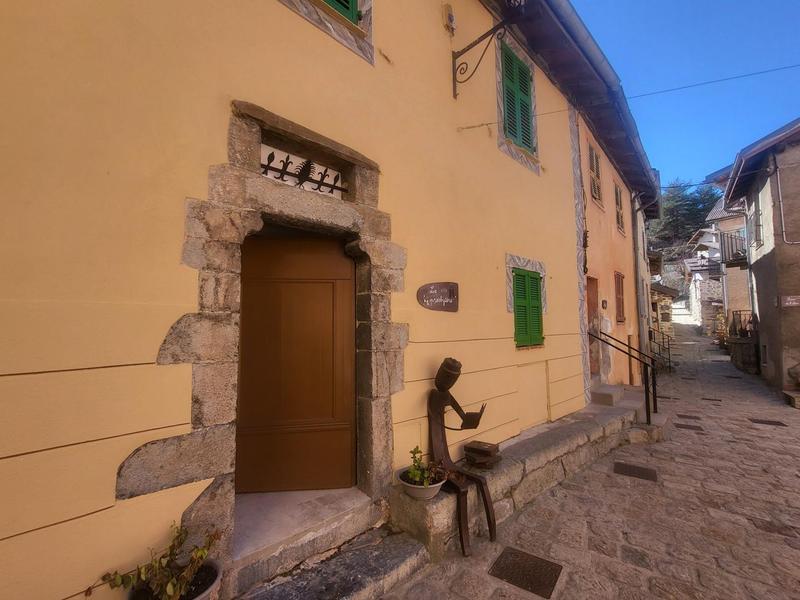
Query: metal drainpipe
{"x": 637, "y": 253}
{"x": 780, "y": 202}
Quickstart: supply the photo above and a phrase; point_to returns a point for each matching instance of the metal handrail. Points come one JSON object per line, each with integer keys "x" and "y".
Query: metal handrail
{"x": 663, "y": 346}
{"x": 663, "y": 334}
{"x": 627, "y": 345}
{"x": 648, "y": 370}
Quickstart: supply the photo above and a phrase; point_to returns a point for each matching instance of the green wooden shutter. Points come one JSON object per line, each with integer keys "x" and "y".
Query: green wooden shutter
{"x": 522, "y": 332}
{"x": 517, "y": 99}
{"x": 348, "y": 8}
{"x": 537, "y": 333}
{"x": 527, "y": 293}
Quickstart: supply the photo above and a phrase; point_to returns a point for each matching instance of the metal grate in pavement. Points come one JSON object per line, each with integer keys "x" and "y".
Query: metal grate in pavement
{"x": 682, "y": 416}
{"x": 768, "y": 422}
{"x": 621, "y": 468}
{"x": 712, "y": 399}
{"x": 685, "y": 426}
{"x": 526, "y": 571}
{"x": 733, "y": 376}
{"x": 689, "y": 378}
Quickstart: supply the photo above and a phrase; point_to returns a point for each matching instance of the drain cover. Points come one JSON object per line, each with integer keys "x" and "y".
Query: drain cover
{"x": 712, "y": 399}
{"x": 681, "y": 416}
{"x": 526, "y": 571}
{"x": 621, "y": 468}
{"x": 685, "y": 426}
{"x": 733, "y": 376}
{"x": 689, "y": 378}
{"x": 768, "y": 422}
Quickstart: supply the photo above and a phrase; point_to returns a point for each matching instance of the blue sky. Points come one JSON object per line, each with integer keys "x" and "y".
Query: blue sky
{"x": 654, "y": 45}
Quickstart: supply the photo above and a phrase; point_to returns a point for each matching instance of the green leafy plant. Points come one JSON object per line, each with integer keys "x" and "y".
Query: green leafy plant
{"x": 166, "y": 576}
{"x": 421, "y": 474}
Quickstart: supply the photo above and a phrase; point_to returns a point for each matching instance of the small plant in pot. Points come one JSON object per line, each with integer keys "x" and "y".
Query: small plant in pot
{"x": 420, "y": 480}
{"x": 169, "y": 576}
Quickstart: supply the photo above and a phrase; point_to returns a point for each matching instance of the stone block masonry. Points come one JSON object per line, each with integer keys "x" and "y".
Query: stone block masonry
{"x": 536, "y": 461}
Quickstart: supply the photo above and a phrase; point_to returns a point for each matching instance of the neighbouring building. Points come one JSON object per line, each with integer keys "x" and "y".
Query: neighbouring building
{"x": 764, "y": 184}
{"x": 661, "y": 298}
{"x": 704, "y": 288}
{"x": 240, "y": 239}
{"x": 728, "y": 227}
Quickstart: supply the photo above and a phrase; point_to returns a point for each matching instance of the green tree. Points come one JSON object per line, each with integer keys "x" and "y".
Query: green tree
{"x": 683, "y": 212}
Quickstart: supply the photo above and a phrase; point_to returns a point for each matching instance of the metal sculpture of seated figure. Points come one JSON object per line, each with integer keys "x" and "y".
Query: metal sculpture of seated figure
{"x": 458, "y": 478}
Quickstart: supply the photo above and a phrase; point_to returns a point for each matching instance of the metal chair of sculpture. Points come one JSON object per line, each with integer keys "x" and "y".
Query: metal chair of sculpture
{"x": 458, "y": 479}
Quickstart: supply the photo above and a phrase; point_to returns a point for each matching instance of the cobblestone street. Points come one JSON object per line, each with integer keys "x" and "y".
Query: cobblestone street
{"x": 721, "y": 522}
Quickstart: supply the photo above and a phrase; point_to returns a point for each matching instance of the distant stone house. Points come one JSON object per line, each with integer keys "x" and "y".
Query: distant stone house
{"x": 702, "y": 273}
{"x": 764, "y": 184}
{"x": 661, "y": 299}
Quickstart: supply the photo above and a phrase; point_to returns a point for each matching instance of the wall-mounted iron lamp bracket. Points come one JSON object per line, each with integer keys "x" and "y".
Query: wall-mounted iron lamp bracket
{"x": 461, "y": 69}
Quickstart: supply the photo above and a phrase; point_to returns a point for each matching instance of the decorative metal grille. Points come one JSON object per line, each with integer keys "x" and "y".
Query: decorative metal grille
{"x": 300, "y": 172}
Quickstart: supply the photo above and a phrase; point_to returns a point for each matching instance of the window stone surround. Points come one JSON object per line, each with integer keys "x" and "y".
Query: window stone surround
{"x": 506, "y": 146}
{"x": 529, "y": 264}
{"x": 357, "y": 38}
{"x": 240, "y": 202}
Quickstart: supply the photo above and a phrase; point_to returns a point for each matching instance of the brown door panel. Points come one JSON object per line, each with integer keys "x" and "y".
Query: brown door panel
{"x": 285, "y": 461}
{"x": 296, "y": 413}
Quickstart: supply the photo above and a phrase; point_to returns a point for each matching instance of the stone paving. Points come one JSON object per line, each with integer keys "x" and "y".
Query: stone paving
{"x": 721, "y": 522}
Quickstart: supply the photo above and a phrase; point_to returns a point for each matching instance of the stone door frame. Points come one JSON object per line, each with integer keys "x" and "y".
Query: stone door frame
{"x": 240, "y": 201}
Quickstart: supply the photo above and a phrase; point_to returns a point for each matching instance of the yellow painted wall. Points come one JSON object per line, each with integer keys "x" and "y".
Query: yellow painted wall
{"x": 611, "y": 250}
{"x": 112, "y": 114}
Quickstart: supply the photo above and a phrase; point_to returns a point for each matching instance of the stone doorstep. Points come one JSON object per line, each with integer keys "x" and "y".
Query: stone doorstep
{"x": 792, "y": 398}
{"x": 366, "y": 567}
{"x": 534, "y": 461}
{"x": 269, "y": 562}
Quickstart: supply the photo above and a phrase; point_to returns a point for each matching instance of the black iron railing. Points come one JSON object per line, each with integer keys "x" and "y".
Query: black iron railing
{"x": 733, "y": 248}
{"x": 661, "y": 346}
{"x": 648, "y": 364}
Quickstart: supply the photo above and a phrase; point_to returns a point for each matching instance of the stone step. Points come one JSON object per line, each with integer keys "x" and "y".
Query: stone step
{"x": 792, "y": 398}
{"x": 607, "y": 395}
{"x": 366, "y": 567}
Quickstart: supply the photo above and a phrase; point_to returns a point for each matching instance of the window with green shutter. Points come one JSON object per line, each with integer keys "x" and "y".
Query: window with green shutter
{"x": 347, "y": 8}
{"x": 517, "y": 100}
{"x": 527, "y": 293}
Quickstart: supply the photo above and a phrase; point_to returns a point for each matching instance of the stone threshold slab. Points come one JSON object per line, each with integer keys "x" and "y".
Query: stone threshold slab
{"x": 533, "y": 462}
{"x": 270, "y": 560}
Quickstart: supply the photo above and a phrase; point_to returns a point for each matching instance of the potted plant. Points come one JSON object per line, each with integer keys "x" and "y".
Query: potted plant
{"x": 169, "y": 577}
{"x": 420, "y": 480}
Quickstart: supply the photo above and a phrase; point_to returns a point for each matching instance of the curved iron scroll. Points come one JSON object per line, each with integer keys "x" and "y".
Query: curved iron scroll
{"x": 462, "y": 68}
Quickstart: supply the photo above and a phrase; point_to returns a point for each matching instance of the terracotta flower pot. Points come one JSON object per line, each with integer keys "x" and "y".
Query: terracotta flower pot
{"x": 420, "y": 492}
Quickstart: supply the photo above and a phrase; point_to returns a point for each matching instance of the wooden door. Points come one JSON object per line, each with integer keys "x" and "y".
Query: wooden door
{"x": 594, "y": 324}
{"x": 296, "y": 412}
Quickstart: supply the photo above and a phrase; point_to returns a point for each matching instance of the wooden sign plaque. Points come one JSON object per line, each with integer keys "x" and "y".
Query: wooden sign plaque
{"x": 442, "y": 295}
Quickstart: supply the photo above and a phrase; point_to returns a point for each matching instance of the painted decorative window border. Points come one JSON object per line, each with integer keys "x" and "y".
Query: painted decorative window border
{"x": 357, "y": 38}
{"x": 523, "y": 157}
{"x": 529, "y": 264}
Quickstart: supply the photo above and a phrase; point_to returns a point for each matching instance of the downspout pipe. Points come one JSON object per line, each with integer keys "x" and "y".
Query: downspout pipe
{"x": 637, "y": 252}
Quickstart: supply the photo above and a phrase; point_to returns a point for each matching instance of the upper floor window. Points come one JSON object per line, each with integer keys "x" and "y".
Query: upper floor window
{"x": 754, "y": 226}
{"x": 527, "y": 292}
{"x": 620, "y": 211}
{"x": 347, "y": 8}
{"x": 594, "y": 174}
{"x": 619, "y": 291}
{"x": 517, "y": 100}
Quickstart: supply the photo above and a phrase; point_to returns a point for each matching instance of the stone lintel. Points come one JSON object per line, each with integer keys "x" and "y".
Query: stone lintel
{"x": 201, "y": 454}
{"x": 299, "y": 134}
